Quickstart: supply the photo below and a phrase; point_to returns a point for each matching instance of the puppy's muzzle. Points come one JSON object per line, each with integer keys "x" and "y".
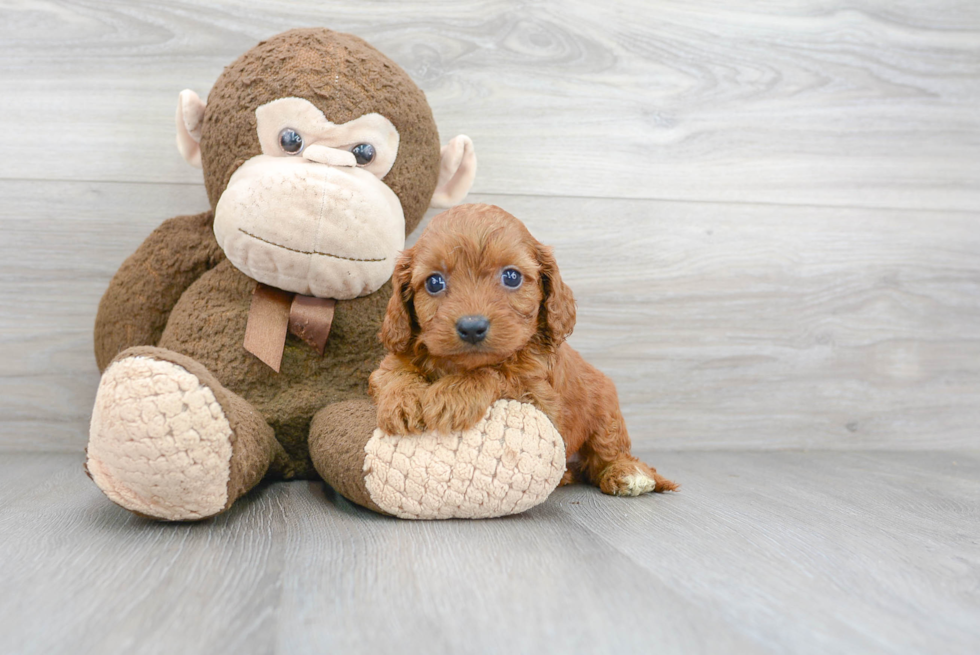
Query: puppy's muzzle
{"x": 473, "y": 329}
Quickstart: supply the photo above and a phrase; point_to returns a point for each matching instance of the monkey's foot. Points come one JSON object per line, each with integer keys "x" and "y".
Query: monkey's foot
{"x": 160, "y": 444}
{"x": 509, "y": 462}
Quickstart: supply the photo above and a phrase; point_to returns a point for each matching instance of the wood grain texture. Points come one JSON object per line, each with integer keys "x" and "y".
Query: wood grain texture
{"x": 829, "y": 102}
{"x": 82, "y": 575}
{"x": 752, "y": 326}
{"x": 759, "y": 553}
{"x": 724, "y": 323}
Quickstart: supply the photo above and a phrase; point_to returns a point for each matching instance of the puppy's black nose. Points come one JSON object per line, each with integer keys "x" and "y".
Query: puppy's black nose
{"x": 472, "y": 329}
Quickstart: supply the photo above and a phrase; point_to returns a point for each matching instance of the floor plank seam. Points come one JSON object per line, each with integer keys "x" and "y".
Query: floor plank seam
{"x": 491, "y": 192}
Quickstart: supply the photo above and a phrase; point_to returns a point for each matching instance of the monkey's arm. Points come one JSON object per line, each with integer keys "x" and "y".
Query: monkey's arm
{"x": 135, "y": 307}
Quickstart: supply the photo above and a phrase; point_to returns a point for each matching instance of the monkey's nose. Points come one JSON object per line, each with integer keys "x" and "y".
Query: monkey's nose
{"x": 472, "y": 329}
{"x": 327, "y": 155}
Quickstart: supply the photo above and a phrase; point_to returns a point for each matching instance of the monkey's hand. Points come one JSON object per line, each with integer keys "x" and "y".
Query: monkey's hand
{"x": 458, "y": 402}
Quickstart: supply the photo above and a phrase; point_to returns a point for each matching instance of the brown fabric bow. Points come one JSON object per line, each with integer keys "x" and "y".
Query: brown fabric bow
{"x": 274, "y": 312}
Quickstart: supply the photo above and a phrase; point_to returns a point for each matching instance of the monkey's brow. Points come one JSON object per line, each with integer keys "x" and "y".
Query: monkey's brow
{"x": 308, "y": 252}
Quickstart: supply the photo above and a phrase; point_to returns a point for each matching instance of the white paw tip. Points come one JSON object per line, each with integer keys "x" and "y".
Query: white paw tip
{"x": 637, "y": 484}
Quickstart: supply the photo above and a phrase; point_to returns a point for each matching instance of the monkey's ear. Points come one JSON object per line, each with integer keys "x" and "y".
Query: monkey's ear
{"x": 457, "y": 168}
{"x": 190, "y": 118}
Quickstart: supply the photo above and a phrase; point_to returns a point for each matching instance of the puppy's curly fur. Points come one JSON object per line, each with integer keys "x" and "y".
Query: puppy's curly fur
{"x": 434, "y": 379}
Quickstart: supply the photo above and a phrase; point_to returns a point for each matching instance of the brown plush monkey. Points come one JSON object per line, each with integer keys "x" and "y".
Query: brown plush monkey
{"x": 236, "y": 344}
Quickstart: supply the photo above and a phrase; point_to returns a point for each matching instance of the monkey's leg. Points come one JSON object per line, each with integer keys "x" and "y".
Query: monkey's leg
{"x": 167, "y": 441}
{"x": 509, "y": 462}
{"x": 338, "y": 436}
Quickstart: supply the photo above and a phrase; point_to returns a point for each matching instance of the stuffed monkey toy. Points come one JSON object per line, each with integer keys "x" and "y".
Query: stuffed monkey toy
{"x": 235, "y": 345}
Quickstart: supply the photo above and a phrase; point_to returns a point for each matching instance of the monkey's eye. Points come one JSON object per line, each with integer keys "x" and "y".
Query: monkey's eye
{"x": 435, "y": 283}
{"x": 290, "y": 141}
{"x": 363, "y": 153}
{"x": 511, "y": 278}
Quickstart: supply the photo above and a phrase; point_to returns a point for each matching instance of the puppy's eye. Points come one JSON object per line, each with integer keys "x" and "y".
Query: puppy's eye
{"x": 435, "y": 283}
{"x": 363, "y": 153}
{"x": 511, "y": 278}
{"x": 290, "y": 141}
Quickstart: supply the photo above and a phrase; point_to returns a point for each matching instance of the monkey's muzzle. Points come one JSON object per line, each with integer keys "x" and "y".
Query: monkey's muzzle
{"x": 311, "y": 228}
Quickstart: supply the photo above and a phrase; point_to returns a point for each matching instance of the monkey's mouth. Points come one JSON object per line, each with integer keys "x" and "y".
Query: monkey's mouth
{"x": 311, "y": 252}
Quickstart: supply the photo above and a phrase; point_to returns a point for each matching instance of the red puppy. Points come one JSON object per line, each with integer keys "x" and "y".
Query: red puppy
{"x": 479, "y": 312}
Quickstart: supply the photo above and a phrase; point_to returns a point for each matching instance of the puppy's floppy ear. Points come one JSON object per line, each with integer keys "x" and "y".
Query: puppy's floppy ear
{"x": 558, "y": 304}
{"x": 396, "y": 331}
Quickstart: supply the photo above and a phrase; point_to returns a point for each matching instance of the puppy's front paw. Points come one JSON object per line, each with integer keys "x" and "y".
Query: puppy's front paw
{"x": 445, "y": 411}
{"x": 401, "y": 414}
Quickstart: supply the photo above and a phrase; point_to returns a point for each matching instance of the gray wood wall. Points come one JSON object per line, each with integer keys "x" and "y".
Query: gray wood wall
{"x": 770, "y": 214}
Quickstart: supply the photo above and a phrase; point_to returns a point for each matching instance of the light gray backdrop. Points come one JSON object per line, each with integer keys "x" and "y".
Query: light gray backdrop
{"x": 769, "y": 217}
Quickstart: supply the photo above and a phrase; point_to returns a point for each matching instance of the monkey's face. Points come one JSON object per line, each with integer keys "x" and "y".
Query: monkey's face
{"x": 311, "y": 214}
{"x": 319, "y": 154}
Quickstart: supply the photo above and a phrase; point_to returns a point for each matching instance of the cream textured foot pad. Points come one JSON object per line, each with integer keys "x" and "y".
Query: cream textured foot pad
{"x": 159, "y": 442}
{"x": 509, "y": 462}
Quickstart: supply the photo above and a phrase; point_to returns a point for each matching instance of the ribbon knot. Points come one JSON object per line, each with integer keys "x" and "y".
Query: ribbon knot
{"x": 273, "y": 313}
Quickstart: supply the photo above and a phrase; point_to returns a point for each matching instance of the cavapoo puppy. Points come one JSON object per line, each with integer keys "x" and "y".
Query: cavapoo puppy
{"x": 479, "y": 312}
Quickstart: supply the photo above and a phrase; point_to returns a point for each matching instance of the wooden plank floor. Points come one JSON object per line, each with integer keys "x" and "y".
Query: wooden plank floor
{"x": 787, "y": 552}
